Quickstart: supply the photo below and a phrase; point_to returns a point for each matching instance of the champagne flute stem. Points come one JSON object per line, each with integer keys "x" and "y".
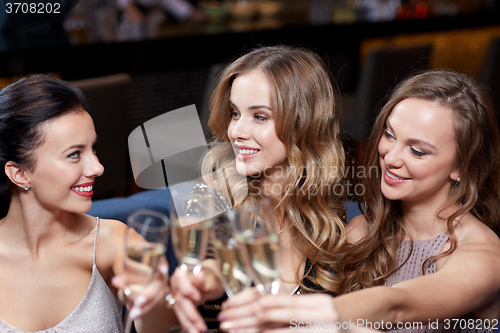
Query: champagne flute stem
{"x": 128, "y": 321}
{"x": 128, "y": 325}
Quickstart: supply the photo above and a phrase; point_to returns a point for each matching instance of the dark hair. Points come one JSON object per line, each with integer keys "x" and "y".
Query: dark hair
{"x": 24, "y": 107}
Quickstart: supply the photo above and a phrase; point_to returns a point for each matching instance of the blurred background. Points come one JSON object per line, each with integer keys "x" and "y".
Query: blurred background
{"x": 137, "y": 59}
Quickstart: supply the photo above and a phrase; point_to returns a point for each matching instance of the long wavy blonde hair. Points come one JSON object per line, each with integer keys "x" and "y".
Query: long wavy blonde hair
{"x": 369, "y": 262}
{"x": 305, "y": 104}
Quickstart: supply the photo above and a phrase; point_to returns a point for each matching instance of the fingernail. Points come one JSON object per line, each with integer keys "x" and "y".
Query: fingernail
{"x": 196, "y": 269}
{"x": 226, "y": 325}
{"x": 164, "y": 270}
{"x": 221, "y": 316}
{"x": 141, "y": 300}
{"x": 135, "y": 313}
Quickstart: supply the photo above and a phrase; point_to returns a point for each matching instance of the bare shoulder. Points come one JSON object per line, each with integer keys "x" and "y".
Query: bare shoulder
{"x": 111, "y": 235}
{"x": 356, "y": 229}
{"x": 471, "y": 231}
{"x": 477, "y": 244}
{"x": 112, "y": 229}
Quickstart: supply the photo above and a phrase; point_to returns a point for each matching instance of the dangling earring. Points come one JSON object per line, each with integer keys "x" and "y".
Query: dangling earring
{"x": 26, "y": 187}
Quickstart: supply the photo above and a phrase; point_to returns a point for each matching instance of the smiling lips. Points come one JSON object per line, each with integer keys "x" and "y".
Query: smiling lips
{"x": 85, "y": 190}
{"x": 392, "y": 179}
{"x": 245, "y": 153}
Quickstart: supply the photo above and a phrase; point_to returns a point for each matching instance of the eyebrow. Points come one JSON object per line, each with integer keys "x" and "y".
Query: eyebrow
{"x": 79, "y": 146}
{"x": 413, "y": 141}
{"x": 253, "y": 107}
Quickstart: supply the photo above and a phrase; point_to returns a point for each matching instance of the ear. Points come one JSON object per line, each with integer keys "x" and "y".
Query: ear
{"x": 17, "y": 175}
{"x": 455, "y": 174}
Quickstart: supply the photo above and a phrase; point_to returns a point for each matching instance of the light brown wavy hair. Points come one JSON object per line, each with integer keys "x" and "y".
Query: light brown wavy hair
{"x": 369, "y": 262}
{"x": 306, "y": 107}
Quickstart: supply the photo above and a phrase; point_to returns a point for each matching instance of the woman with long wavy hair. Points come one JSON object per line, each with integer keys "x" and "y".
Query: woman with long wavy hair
{"x": 277, "y": 111}
{"x": 425, "y": 248}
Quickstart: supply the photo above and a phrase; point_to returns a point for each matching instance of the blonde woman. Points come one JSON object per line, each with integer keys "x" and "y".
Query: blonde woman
{"x": 277, "y": 109}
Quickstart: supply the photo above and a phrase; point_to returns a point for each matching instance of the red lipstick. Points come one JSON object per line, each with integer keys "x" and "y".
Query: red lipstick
{"x": 86, "y": 194}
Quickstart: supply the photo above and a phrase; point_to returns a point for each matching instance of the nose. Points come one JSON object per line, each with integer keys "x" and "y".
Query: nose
{"x": 238, "y": 129}
{"x": 392, "y": 155}
{"x": 94, "y": 168}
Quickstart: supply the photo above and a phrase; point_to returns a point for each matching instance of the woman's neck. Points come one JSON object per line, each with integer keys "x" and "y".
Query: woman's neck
{"x": 32, "y": 226}
{"x": 426, "y": 221}
{"x": 273, "y": 182}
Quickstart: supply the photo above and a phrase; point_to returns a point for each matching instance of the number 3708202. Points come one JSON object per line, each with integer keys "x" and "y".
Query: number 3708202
{"x": 32, "y": 8}
{"x": 476, "y": 324}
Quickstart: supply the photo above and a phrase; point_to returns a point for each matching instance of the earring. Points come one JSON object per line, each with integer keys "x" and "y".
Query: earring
{"x": 458, "y": 180}
{"x": 26, "y": 187}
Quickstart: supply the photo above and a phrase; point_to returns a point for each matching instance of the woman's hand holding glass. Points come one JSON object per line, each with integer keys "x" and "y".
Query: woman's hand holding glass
{"x": 191, "y": 217}
{"x": 256, "y": 230}
{"x": 191, "y": 290}
{"x": 191, "y": 214}
{"x": 246, "y": 245}
{"x": 228, "y": 252}
{"x": 255, "y": 227}
{"x": 145, "y": 270}
{"x": 250, "y": 311}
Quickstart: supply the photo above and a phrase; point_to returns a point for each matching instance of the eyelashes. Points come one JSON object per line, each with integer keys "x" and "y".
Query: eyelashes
{"x": 258, "y": 117}
{"x": 416, "y": 152}
{"x": 388, "y": 135}
{"x": 234, "y": 114}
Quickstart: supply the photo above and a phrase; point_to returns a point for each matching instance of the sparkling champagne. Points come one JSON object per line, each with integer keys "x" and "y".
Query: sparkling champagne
{"x": 190, "y": 243}
{"x": 264, "y": 256}
{"x": 233, "y": 266}
{"x": 140, "y": 264}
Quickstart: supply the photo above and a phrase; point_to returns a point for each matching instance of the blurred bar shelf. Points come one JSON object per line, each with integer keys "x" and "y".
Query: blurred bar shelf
{"x": 191, "y": 44}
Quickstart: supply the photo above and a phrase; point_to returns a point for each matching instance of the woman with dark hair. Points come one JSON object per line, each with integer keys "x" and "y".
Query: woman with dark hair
{"x": 57, "y": 263}
{"x": 277, "y": 110}
{"x": 425, "y": 248}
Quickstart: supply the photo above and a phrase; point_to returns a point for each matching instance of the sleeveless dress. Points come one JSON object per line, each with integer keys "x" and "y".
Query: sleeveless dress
{"x": 423, "y": 249}
{"x": 98, "y": 311}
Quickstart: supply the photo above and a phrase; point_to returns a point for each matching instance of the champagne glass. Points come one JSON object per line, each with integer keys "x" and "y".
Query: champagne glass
{"x": 145, "y": 243}
{"x": 191, "y": 214}
{"x": 257, "y": 233}
{"x": 229, "y": 253}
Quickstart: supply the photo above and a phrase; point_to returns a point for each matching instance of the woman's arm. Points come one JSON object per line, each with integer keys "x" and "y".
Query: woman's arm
{"x": 149, "y": 309}
{"x": 250, "y": 312}
{"x": 469, "y": 280}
